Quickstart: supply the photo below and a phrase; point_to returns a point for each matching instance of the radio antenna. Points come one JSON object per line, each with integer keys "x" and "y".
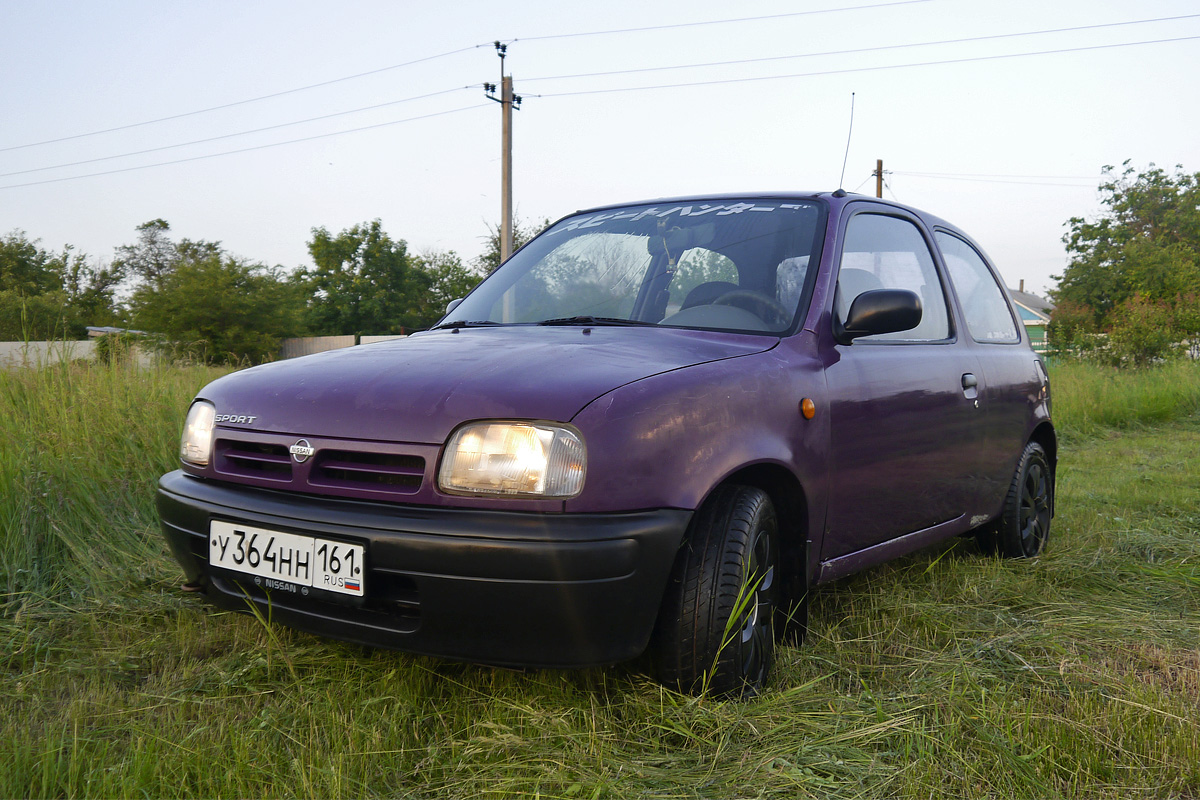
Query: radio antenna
{"x": 842, "y": 179}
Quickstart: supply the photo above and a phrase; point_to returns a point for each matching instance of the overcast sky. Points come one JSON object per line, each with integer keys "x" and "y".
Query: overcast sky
{"x": 990, "y": 114}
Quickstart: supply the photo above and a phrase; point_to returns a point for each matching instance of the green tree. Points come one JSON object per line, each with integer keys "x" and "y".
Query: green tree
{"x": 1146, "y": 243}
{"x": 363, "y": 281}
{"x": 154, "y": 255}
{"x": 25, "y": 268}
{"x": 44, "y": 295}
{"x": 91, "y": 287}
{"x": 523, "y": 231}
{"x": 217, "y": 308}
{"x": 450, "y": 279}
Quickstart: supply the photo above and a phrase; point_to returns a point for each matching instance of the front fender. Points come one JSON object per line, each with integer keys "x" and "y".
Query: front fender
{"x": 668, "y": 440}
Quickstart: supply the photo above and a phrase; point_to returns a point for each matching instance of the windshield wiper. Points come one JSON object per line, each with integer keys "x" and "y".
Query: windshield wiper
{"x": 463, "y": 323}
{"x": 588, "y": 319}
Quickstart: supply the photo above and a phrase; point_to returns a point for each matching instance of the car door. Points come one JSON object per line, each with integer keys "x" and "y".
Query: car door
{"x": 903, "y": 406}
{"x": 1011, "y": 378}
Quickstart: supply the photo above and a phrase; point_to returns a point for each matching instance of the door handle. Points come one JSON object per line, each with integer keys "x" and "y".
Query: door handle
{"x": 970, "y": 386}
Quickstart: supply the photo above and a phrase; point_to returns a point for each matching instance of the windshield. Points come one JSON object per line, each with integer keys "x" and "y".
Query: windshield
{"x": 740, "y": 265}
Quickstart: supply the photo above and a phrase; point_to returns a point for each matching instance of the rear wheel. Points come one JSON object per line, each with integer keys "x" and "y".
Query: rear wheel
{"x": 716, "y": 627}
{"x": 1024, "y": 524}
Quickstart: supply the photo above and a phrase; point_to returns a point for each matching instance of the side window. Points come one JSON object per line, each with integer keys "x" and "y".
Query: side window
{"x": 989, "y": 318}
{"x": 883, "y": 252}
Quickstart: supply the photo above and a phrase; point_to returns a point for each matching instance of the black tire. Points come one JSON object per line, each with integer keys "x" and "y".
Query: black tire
{"x": 1024, "y": 524}
{"x": 715, "y": 631}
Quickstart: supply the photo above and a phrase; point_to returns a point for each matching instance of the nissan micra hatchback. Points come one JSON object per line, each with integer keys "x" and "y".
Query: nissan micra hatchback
{"x": 656, "y": 427}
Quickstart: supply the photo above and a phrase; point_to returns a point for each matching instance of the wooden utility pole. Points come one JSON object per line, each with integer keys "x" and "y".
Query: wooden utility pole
{"x": 508, "y": 101}
{"x": 506, "y": 222}
{"x": 878, "y": 178}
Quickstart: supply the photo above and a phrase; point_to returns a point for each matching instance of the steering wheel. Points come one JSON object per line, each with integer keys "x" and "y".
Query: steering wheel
{"x": 763, "y": 306}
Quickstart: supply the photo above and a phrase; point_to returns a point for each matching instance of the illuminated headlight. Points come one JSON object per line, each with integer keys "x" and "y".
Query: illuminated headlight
{"x": 521, "y": 459}
{"x": 195, "y": 446}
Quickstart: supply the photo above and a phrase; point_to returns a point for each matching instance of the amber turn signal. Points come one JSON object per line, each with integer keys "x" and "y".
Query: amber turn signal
{"x": 808, "y": 408}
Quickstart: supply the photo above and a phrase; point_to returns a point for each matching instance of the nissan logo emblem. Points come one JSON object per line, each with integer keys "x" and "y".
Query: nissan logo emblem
{"x": 301, "y": 451}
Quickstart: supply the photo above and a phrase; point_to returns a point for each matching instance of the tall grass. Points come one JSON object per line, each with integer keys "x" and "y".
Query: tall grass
{"x": 81, "y": 446}
{"x": 1090, "y": 398}
{"x": 943, "y": 674}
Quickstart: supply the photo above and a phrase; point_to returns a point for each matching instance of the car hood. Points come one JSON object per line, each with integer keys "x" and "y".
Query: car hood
{"x": 420, "y": 388}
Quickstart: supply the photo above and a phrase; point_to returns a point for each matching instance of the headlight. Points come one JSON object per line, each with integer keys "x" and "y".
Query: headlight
{"x": 521, "y": 459}
{"x": 195, "y": 446}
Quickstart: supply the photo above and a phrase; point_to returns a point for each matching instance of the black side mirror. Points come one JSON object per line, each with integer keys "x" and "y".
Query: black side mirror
{"x": 879, "y": 311}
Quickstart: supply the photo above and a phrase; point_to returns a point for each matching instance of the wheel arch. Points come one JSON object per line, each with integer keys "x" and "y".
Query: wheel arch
{"x": 791, "y": 511}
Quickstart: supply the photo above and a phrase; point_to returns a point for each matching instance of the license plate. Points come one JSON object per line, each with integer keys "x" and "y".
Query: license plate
{"x": 287, "y": 558}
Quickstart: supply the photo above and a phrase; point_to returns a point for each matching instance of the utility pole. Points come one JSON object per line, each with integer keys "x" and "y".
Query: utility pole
{"x": 878, "y": 178}
{"x": 508, "y": 101}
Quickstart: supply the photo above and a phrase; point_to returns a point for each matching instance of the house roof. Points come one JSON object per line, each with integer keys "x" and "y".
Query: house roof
{"x": 1038, "y": 305}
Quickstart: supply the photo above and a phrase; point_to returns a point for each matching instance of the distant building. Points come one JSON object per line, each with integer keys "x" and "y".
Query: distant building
{"x": 1035, "y": 314}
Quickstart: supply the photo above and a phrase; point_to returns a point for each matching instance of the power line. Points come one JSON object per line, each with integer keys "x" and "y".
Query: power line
{"x": 242, "y": 102}
{"x": 997, "y": 175}
{"x": 859, "y": 50}
{"x": 232, "y": 135}
{"x": 849, "y": 70}
{"x": 997, "y": 179}
{"x": 715, "y": 21}
{"x": 355, "y": 76}
{"x": 245, "y": 149}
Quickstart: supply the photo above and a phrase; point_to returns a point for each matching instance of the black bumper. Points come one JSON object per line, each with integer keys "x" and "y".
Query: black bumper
{"x": 510, "y": 588}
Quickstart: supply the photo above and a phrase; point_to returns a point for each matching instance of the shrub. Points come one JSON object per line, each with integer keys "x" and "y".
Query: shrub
{"x": 1144, "y": 332}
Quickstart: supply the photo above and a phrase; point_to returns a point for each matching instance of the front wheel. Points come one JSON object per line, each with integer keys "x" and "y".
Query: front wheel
{"x": 1024, "y": 524}
{"x": 716, "y": 627}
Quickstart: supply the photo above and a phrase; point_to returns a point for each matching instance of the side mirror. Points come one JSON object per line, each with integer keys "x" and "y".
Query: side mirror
{"x": 879, "y": 311}
{"x": 453, "y": 304}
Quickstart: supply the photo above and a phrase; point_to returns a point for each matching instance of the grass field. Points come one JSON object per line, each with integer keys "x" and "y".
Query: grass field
{"x": 944, "y": 674}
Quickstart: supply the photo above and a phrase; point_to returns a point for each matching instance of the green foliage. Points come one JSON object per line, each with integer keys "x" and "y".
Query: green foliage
{"x": 523, "y": 231}
{"x": 153, "y": 257}
{"x": 364, "y": 282}
{"x": 39, "y": 317}
{"x": 1147, "y": 242}
{"x": 1092, "y": 398}
{"x": 1072, "y": 329}
{"x": 1136, "y": 268}
{"x": 219, "y": 309}
{"x": 450, "y": 279}
{"x": 51, "y": 296}
{"x": 25, "y": 268}
{"x": 116, "y": 348}
{"x": 1143, "y": 332}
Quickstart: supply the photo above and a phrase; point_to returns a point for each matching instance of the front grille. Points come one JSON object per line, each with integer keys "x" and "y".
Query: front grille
{"x": 339, "y": 467}
{"x": 349, "y": 469}
{"x": 253, "y": 460}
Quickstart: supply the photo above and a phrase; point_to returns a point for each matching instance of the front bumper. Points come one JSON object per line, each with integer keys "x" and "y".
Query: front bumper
{"x": 499, "y": 587}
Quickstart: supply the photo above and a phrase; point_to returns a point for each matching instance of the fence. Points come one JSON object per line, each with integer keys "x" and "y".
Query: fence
{"x": 33, "y": 354}
{"x": 14, "y": 355}
{"x": 307, "y": 345}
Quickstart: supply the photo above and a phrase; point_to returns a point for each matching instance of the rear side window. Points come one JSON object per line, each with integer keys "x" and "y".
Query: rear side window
{"x": 884, "y": 252}
{"x": 989, "y": 318}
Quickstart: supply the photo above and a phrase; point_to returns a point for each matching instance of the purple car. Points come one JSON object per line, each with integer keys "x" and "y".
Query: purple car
{"x": 657, "y": 427}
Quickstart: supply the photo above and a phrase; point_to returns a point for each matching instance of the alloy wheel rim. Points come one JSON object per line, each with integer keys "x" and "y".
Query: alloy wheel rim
{"x": 758, "y": 618}
{"x": 1035, "y": 509}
